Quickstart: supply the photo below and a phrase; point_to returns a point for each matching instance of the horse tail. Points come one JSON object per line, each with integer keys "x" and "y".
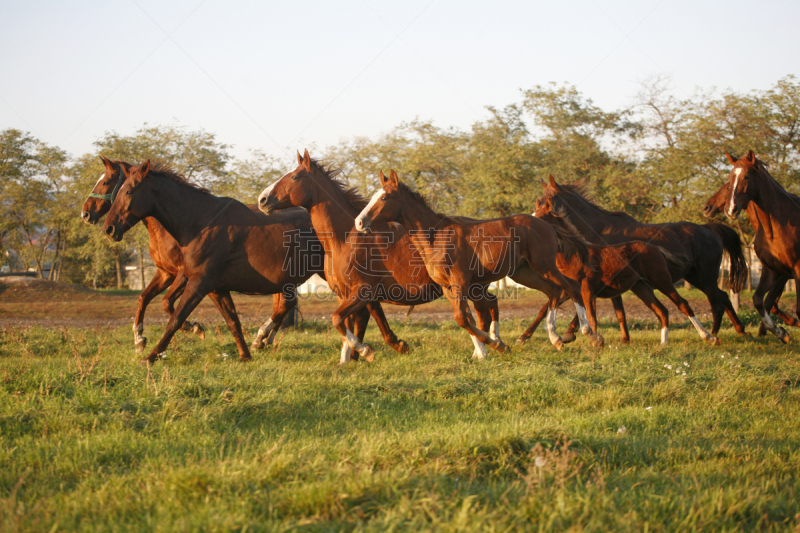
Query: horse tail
{"x": 733, "y": 246}
{"x": 570, "y": 243}
{"x": 675, "y": 261}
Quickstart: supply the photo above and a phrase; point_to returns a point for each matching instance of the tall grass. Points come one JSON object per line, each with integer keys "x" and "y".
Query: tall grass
{"x": 685, "y": 437}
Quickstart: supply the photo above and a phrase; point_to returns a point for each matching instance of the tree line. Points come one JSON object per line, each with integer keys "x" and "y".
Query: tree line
{"x": 659, "y": 159}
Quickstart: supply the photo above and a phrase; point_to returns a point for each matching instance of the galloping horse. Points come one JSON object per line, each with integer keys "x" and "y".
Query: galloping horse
{"x": 168, "y": 259}
{"x": 774, "y": 282}
{"x": 464, "y": 254}
{"x": 613, "y": 270}
{"x": 226, "y": 246}
{"x": 775, "y": 214}
{"x": 382, "y": 266}
{"x": 702, "y": 246}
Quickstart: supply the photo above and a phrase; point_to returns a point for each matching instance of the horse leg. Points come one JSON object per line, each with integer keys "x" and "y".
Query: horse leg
{"x": 463, "y": 317}
{"x": 665, "y": 286}
{"x": 281, "y": 306}
{"x": 389, "y": 337}
{"x": 569, "y": 335}
{"x": 345, "y": 309}
{"x": 646, "y": 295}
{"x": 591, "y": 312}
{"x": 224, "y": 303}
{"x": 532, "y": 328}
{"x": 581, "y": 299}
{"x": 489, "y": 314}
{"x": 193, "y": 294}
{"x": 619, "y": 309}
{"x": 160, "y": 281}
{"x": 168, "y": 303}
{"x": 777, "y": 291}
{"x": 766, "y": 282}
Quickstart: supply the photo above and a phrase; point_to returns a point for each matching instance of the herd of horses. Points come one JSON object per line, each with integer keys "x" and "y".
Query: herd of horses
{"x": 394, "y": 248}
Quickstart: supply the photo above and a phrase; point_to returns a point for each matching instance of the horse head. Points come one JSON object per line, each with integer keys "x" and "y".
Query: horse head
{"x": 385, "y": 205}
{"x": 134, "y": 202}
{"x": 745, "y": 182}
{"x": 293, "y": 189}
{"x": 105, "y": 190}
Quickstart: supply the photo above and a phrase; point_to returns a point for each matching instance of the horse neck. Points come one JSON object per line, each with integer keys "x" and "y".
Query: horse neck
{"x": 184, "y": 211}
{"x": 589, "y": 220}
{"x": 420, "y": 220}
{"x": 332, "y": 215}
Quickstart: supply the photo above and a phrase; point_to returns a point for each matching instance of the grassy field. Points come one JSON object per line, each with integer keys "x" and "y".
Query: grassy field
{"x": 645, "y": 438}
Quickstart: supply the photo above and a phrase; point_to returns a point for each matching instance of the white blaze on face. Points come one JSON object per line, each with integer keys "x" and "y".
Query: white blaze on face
{"x": 266, "y": 192}
{"x": 360, "y": 218}
{"x": 738, "y": 173}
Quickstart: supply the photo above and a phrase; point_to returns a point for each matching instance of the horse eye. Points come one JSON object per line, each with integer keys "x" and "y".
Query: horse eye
{"x": 296, "y": 177}
{"x": 128, "y": 192}
{"x": 383, "y": 199}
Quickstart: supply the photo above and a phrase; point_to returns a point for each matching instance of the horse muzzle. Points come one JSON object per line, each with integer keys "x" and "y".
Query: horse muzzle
{"x": 267, "y": 204}
{"x": 89, "y": 217}
{"x": 112, "y": 233}
{"x": 362, "y": 225}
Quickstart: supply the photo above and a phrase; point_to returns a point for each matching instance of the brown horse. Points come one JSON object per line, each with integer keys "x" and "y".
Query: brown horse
{"x": 775, "y": 214}
{"x": 226, "y": 246}
{"x": 382, "y": 266}
{"x": 463, "y": 255}
{"x": 774, "y": 282}
{"x": 168, "y": 259}
{"x": 702, "y": 246}
{"x": 613, "y": 270}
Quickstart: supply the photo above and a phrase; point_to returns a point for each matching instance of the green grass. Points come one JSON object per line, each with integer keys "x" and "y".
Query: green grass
{"x": 426, "y": 441}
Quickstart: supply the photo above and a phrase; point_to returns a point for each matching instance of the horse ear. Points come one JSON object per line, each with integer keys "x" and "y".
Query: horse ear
{"x": 105, "y": 161}
{"x": 553, "y": 183}
{"x": 383, "y": 177}
{"x": 732, "y": 159}
{"x": 751, "y": 157}
{"x": 299, "y": 158}
{"x": 544, "y": 183}
{"x": 143, "y": 169}
{"x": 393, "y": 180}
{"x": 307, "y": 160}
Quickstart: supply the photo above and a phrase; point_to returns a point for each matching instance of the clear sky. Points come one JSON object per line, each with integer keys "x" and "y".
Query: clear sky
{"x": 283, "y": 75}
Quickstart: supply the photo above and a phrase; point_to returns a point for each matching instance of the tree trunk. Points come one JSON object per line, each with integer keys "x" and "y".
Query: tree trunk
{"x": 118, "y": 264}
{"x": 141, "y": 266}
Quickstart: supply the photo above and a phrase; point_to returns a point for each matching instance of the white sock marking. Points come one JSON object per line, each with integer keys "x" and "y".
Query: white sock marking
{"x": 347, "y": 351}
{"x": 664, "y": 335}
{"x": 582, "y": 318}
{"x": 494, "y": 331}
{"x": 353, "y": 341}
{"x": 550, "y": 324}
{"x": 480, "y": 348}
{"x": 699, "y": 327}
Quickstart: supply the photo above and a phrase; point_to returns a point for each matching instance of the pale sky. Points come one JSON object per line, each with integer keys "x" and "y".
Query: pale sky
{"x": 279, "y": 76}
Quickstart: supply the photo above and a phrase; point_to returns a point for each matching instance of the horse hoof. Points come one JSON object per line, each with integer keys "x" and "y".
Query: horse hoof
{"x": 783, "y": 335}
{"x": 714, "y": 341}
{"x": 502, "y": 347}
{"x": 368, "y": 352}
{"x": 558, "y": 344}
{"x": 245, "y": 358}
{"x": 147, "y": 361}
{"x": 598, "y": 341}
{"x": 402, "y": 347}
{"x": 521, "y": 341}
{"x": 198, "y": 330}
{"x": 626, "y": 340}
{"x": 568, "y": 337}
{"x": 140, "y": 344}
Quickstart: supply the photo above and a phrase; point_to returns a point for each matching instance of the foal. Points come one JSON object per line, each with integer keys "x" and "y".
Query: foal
{"x": 770, "y": 281}
{"x": 775, "y": 213}
{"x": 613, "y": 270}
{"x": 383, "y": 266}
{"x": 463, "y": 255}
{"x": 226, "y": 246}
{"x": 168, "y": 259}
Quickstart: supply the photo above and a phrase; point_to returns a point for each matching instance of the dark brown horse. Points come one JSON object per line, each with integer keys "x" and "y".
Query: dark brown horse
{"x": 701, "y": 245}
{"x": 168, "y": 260}
{"x": 775, "y": 214}
{"x": 613, "y": 270}
{"x": 382, "y": 266}
{"x": 716, "y": 205}
{"x": 463, "y": 255}
{"x": 226, "y": 246}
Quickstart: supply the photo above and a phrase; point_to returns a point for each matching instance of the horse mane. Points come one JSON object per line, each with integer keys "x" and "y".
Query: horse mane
{"x": 351, "y": 194}
{"x": 763, "y": 168}
{"x": 581, "y": 190}
{"x": 166, "y": 171}
{"x": 424, "y": 201}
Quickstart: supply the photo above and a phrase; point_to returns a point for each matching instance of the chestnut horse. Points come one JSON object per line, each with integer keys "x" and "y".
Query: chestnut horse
{"x": 383, "y": 265}
{"x": 701, "y": 245}
{"x": 168, "y": 259}
{"x": 774, "y": 282}
{"x": 463, "y": 254}
{"x": 775, "y": 214}
{"x": 226, "y": 246}
{"x": 613, "y": 270}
